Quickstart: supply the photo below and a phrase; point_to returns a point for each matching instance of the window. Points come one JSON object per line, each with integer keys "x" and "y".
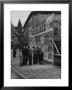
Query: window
{"x": 49, "y": 56}
{"x": 50, "y": 48}
{"x": 55, "y": 30}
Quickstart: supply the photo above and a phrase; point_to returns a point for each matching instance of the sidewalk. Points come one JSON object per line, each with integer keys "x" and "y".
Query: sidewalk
{"x": 47, "y": 71}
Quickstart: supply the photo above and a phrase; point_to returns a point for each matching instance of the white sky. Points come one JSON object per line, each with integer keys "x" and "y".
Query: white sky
{"x": 16, "y": 15}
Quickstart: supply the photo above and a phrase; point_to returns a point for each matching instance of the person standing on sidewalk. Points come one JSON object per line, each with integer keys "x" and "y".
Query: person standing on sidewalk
{"x": 20, "y": 57}
{"x": 39, "y": 55}
{"x": 30, "y": 55}
{"x": 34, "y": 55}
{"x": 14, "y": 51}
{"x": 25, "y": 56}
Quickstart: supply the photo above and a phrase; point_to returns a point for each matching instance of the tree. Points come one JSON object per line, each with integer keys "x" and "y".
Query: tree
{"x": 17, "y": 35}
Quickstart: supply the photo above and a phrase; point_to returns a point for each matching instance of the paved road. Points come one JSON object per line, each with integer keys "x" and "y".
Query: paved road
{"x": 39, "y": 71}
{"x": 47, "y": 71}
{"x": 13, "y": 76}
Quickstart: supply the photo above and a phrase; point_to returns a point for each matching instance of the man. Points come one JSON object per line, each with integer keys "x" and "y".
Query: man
{"x": 20, "y": 57}
{"x": 34, "y": 55}
{"x": 25, "y": 57}
{"x": 29, "y": 54}
{"x": 40, "y": 55}
{"x": 14, "y": 51}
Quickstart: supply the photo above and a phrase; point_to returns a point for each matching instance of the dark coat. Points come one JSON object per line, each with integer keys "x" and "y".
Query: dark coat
{"x": 29, "y": 51}
{"x": 34, "y": 52}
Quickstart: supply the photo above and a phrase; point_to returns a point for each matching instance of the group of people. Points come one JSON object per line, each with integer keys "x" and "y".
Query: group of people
{"x": 31, "y": 56}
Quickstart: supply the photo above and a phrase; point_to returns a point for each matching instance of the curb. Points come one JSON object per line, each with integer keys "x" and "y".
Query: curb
{"x": 18, "y": 73}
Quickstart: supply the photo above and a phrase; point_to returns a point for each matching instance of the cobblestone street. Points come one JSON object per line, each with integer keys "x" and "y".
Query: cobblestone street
{"x": 47, "y": 71}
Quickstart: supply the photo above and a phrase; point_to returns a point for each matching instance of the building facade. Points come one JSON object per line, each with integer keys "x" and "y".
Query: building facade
{"x": 44, "y": 30}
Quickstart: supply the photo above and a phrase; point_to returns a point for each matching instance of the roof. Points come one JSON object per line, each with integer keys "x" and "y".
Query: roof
{"x": 40, "y": 12}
